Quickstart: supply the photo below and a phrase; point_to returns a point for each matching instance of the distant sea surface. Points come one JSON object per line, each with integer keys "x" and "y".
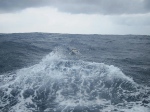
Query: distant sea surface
{"x": 46, "y": 72}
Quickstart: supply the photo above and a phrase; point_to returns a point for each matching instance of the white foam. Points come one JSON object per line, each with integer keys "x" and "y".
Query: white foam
{"x": 78, "y": 79}
{"x": 137, "y": 109}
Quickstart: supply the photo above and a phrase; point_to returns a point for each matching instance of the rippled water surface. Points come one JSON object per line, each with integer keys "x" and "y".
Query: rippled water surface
{"x": 42, "y": 72}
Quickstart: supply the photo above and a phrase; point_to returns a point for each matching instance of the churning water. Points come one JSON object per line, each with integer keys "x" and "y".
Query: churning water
{"x": 74, "y": 73}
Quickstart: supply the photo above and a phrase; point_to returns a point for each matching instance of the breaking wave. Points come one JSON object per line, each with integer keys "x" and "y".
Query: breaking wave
{"x": 60, "y": 84}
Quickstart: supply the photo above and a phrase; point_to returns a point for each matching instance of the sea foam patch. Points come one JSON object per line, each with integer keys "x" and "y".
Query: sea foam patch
{"x": 61, "y": 84}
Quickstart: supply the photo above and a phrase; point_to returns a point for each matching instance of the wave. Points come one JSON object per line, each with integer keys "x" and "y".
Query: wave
{"x": 60, "y": 83}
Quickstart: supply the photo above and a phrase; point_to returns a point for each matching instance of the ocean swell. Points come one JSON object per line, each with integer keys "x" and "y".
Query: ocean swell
{"x": 60, "y": 84}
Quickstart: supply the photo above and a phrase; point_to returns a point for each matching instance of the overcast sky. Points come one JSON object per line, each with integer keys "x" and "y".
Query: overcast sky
{"x": 75, "y": 16}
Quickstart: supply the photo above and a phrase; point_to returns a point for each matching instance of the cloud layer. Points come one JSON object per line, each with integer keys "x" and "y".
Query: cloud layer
{"x": 106, "y": 7}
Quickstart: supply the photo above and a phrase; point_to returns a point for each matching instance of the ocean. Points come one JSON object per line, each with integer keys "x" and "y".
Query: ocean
{"x": 52, "y": 72}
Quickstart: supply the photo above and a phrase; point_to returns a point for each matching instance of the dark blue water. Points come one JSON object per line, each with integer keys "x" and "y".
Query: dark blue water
{"x": 42, "y": 72}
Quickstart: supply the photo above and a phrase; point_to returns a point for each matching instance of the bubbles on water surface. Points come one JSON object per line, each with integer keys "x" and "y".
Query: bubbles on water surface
{"x": 59, "y": 84}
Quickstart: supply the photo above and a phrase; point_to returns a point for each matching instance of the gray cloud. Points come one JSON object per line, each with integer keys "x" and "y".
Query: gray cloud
{"x": 132, "y": 20}
{"x": 108, "y": 7}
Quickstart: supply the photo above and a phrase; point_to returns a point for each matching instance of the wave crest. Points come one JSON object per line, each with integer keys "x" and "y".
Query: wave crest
{"x": 61, "y": 84}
